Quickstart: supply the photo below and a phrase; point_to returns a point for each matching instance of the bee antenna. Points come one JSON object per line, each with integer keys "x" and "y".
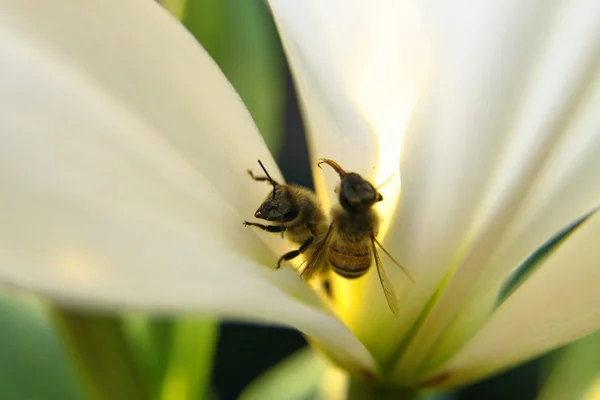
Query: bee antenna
{"x": 386, "y": 181}
{"x": 333, "y": 165}
{"x": 269, "y": 177}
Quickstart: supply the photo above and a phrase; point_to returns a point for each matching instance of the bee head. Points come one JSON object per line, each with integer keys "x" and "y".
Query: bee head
{"x": 278, "y": 206}
{"x": 356, "y": 195}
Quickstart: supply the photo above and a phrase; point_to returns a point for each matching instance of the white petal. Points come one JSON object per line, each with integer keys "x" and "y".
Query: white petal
{"x": 509, "y": 76}
{"x": 122, "y": 168}
{"x": 558, "y": 304}
{"x": 566, "y": 187}
{"x": 359, "y": 68}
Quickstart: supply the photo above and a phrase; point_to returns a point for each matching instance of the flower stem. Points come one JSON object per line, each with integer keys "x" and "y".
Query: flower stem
{"x": 98, "y": 346}
{"x": 363, "y": 391}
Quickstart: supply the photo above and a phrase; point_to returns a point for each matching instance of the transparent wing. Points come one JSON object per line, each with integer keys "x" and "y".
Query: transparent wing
{"x": 317, "y": 261}
{"x": 394, "y": 260}
{"x": 388, "y": 290}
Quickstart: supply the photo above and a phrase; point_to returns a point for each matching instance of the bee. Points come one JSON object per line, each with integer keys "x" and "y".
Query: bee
{"x": 292, "y": 209}
{"x": 350, "y": 244}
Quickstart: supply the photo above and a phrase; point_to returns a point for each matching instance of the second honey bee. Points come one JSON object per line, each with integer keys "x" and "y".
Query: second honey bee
{"x": 292, "y": 210}
{"x": 350, "y": 244}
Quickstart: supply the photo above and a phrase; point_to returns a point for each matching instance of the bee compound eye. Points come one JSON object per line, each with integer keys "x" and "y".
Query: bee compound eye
{"x": 290, "y": 214}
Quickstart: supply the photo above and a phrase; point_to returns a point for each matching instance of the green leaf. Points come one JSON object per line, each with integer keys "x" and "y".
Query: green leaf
{"x": 241, "y": 37}
{"x": 150, "y": 341}
{"x": 524, "y": 271}
{"x": 190, "y": 363}
{"x": 174, "y": 355}
{"x": 175, "y": 7}
{"x": 99, "y": 347}
{"x": 33, "y": 364}
{"x": 295, "y": 378}
{"x": 574, "y": 370}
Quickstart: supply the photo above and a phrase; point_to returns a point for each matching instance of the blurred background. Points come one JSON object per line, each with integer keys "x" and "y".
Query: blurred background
{"x": 241, "y": 37}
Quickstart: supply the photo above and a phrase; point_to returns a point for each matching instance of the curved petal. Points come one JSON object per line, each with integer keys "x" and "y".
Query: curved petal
{"x": 359, "y": 68}
{"x": 503, "y": 98}
{"x": 451, "y": 146}
{"x": 558, "y": 304}
{"x": 566, "y": 187}
{"x": 122, "y": 167}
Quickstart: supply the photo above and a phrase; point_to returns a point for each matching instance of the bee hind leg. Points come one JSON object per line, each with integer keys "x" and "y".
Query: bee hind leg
{"x": 294, "y": 253}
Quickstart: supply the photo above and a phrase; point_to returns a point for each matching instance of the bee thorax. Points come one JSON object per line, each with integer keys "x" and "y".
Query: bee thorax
{"x": 355, "y": 227}
{"x": 298, "y": 233}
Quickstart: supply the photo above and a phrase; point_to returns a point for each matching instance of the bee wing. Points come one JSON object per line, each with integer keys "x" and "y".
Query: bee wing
{"x": 394, "y": 260}
{"x": 388, "y": 290}
{"x": 318, "y": 256}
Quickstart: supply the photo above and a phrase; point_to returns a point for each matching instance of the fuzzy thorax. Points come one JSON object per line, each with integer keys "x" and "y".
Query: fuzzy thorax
{"x": 354, "y": 227}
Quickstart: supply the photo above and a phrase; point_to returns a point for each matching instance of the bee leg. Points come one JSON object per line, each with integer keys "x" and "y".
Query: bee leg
{"x": 295, "y": 253}
{"x": 261, "y": 178}
{"x": 326, "y": 285}
{"x": 268, "y": 228}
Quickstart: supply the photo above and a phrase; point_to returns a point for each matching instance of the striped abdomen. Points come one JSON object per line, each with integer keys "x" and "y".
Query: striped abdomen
{"x": 350, "y": 260}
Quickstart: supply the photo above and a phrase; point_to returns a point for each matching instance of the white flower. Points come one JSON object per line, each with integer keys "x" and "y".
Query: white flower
{"x": 124, "y": 152}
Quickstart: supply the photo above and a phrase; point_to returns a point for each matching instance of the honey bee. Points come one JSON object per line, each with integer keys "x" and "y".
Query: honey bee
{"x": 292, "y": 209}
{"x": 349, "y": 245}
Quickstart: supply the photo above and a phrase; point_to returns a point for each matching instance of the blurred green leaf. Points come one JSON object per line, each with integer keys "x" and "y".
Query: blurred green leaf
{"x": 98, "y": 346}
{"x": 241, "y": 37}
{"x": 175, "y": 7}
{"x": 574, "y": 370}
{"x": 33, "y": 364}
{"x": 295, "y": 378}
{"x": 190, "y": 363}
{"x": 174, "y": 355}
{"x": 150, "y": 341}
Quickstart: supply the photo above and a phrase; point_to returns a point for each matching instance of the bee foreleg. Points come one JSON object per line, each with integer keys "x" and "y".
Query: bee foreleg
{"x": 295, "y": 253}
{"x": 261, "y": 178}
{"x": 268, "y": 228}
